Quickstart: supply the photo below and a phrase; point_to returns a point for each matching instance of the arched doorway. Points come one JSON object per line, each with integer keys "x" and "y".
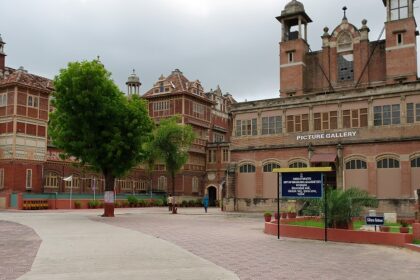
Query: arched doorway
{"x": 212, "y": 191}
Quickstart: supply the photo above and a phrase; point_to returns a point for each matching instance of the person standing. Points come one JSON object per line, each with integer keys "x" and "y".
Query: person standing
{"x": 206, "y": 202}
{"x": 170, "y": 201}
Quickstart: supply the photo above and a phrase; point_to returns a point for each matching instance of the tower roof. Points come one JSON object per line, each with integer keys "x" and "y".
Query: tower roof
{"x": 133, "y": 78}
{"x": 292, "y": 9}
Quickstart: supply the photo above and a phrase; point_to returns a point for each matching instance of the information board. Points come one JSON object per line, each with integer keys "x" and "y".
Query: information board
{"x": 375, "y": 220}
{"x": 301, "y": 185}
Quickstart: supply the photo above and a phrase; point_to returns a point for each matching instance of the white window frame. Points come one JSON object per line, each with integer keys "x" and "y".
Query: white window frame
{"x": 32, "y": 101}
{"x": 3, "y": 99}
{"x": 1, "y": 178}
{"x": 28, "y": 179}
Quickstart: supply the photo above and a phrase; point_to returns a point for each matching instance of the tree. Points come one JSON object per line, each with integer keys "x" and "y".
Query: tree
{"x": 342, "y": 206}
{"x": 172, "y": 141}
{"x": 94, "y": 122}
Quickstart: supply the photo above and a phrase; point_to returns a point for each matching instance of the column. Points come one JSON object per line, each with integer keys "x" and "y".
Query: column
{"x": 300, "y": 28}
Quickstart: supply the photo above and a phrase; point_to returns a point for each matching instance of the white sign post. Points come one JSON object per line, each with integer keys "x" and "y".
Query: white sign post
{"x": 70, "y": 179}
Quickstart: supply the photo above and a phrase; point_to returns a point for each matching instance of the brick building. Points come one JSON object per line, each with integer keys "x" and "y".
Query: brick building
{"x": 29, "y": 163}
{"x": 354, "y": 105}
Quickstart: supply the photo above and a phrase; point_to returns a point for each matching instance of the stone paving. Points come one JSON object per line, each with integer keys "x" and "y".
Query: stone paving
{"x": 237, "y": 243}
{"x": 19, "y": 245}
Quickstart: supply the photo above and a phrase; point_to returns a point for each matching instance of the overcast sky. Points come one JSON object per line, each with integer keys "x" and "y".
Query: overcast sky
{"x": 233, "y": 43}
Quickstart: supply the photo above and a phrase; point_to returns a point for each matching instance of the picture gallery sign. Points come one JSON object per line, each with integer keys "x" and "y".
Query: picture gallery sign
{"x": 322, "y": 136}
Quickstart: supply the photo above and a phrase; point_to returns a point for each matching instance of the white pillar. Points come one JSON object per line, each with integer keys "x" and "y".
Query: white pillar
{"x": 300, "y": 28}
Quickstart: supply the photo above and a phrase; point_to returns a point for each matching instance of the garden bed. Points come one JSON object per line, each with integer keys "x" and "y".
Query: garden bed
{"x": 313, "y": 230}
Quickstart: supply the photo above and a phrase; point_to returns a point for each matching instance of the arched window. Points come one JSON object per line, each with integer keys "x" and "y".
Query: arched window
{"x": 344, "y": 42}
{"x": 268, "y": 167}
{"x": 247, "y": 168}
{"x": 298, "y": 164}
{"x": 415, "y": 162}
{"x": 75, "y": 184}
{"x": 52, "y": 180}
{"x": 356, "y": 164}
{"x": 388, "y": 163}
{"x": 195, "y": 185}
{"x": 140, "y": 186}
{"x": 162, "y": 183}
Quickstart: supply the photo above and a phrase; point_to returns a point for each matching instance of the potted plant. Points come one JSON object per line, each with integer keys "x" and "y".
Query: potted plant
{"x": 77, "y": 204}
{"x": 384, "y": 228}
{"x": 404, "y": 226}
{"x": 267, "y": 216}
{"x": 276, "y": 216}
{"x": 291, "y": 212}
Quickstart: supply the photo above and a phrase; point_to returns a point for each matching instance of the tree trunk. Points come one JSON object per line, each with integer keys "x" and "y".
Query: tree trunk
{"x": 109, "y": 195}
{"x": 174, "y": 209}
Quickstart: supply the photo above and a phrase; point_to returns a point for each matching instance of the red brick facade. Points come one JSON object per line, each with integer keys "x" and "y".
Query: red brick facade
{"x": 355, "y": 101}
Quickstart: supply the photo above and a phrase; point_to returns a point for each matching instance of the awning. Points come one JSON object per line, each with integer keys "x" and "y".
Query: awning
{"x": 323, "y": 158}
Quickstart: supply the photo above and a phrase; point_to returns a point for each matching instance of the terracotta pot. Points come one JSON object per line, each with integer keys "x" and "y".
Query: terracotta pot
{"x": 283, "y": 215}
{"x": 267, "y": 218}
{"x": 276, "y": 216}
{"x": 291, "y": 215}
{"x": 404, "y": 230}
{"x": 384, "y": 228}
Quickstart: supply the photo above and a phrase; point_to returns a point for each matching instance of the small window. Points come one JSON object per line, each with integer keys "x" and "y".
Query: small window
{"x": 3, "y": 99}
{"x": 1, "y": 178}
{"x": 400, "y": 39}
{"x": 356, "y": 164}
{"x": 298, "y": 164}
{"x": 388, "y": 163}
{"x": 270, "y": 166}
{"x": 415, "y": 163}
{"x": 291, "y": 57}
{"x": 345, "y": 67}
{"x": 32, "y": 101}
{"x": 195, "y": 185}
{"x": 225, "y": 156}
{"x": 247, "y": 168}
{"x": 211, "y": 156}
{"x": 162, "y": 183}
{"x": 28, "y": 179}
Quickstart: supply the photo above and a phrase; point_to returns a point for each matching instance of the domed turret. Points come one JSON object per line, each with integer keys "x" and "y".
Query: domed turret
{"x": 292, "y": 8}
{"x": 133, "y": 84}
{"x": 294, "y": 15}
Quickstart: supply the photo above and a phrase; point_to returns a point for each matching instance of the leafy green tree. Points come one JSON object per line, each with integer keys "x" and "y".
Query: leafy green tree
{"x": 94, "y": 122}
{"x": 172, "y": 141}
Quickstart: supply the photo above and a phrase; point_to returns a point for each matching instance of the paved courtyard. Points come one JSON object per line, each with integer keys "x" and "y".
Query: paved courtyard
{"x": 150, "y": 243}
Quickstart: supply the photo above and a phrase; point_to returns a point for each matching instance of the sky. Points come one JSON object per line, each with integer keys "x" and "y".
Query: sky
{"x": 231, "y": 43}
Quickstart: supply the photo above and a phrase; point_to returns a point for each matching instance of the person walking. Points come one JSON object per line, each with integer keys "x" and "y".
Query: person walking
{"x": 206, "y": 202}
{"x": 170, "y": 201}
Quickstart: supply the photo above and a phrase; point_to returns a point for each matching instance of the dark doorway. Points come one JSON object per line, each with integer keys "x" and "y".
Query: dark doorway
{"x": 212, "y": 196}
{"x": 330, "y": 178}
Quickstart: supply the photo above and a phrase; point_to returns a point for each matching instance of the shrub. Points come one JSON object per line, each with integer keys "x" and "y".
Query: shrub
{"x": 117, "y": 204}
{"x": 198, "y": 202}
{"x": 158, "y": 202}
{"x": 342, "y": 206}
{"x": 142, "y": 203}
{"x": 124, "y": 203}
{"x": 191, "y": 203}
{"x": 184, "y": 203}
{"x": 267, "y": 214}
{"x": 94, "y": 204}
{"x": 132, "y": 201}
{"x": 404, "y": 223}
{"x": 77, "y": 204}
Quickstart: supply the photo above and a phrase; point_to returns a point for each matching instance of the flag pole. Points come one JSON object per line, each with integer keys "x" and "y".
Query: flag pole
{"x": 71, "y": 190}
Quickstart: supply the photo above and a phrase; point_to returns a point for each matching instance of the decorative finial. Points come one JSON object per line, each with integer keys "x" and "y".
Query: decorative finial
{"x": 345, "y": 9}
{"x": 98, "y": 58}
{"x": 134, "y": 71}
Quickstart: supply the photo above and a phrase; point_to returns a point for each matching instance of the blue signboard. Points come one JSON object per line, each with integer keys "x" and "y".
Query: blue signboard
{"x": 375, "y": 220}
{"x": 301, "y": 185}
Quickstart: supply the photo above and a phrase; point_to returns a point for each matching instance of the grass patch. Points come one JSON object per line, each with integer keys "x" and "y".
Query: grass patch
{"x": 416, "y": 241}
{"x": 308, "y": 223}
{"x": 395, "y": 227}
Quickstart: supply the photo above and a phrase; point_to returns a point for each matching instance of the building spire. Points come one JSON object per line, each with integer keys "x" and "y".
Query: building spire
{"x": 344, "y": 9}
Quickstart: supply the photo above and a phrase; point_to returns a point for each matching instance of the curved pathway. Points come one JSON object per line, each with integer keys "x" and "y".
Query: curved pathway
{"x": 18, "y": 247}
{"x": 237, "y": 243}
{"x": 75, "y": 247}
